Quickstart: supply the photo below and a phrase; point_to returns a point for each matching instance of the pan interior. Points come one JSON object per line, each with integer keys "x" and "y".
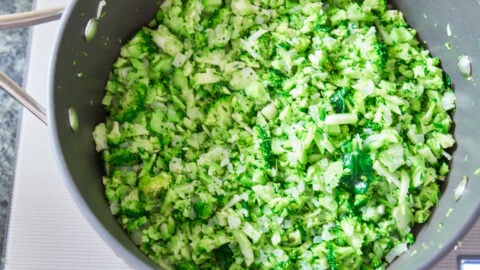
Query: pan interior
{"x": 80, "y": 70}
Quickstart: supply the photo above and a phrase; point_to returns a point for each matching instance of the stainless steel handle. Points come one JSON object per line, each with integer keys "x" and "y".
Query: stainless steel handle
{"x": 18, "y": 20}
{"x": 30, "y": 18}
{"x": 23, "y": 97}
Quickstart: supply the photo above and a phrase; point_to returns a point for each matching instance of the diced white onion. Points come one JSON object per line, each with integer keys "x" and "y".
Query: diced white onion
{"x": 460, "y": 189}
{"x": 341, "y": 119}
{"x": 395, "y": 252}
{"x": 464, "y": 64}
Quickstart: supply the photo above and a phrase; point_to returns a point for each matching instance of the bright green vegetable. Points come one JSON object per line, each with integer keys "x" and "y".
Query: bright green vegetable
{"x": 275, "y": 134}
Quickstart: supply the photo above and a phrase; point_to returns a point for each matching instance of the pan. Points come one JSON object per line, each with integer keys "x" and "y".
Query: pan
{"x": 79, "y": 71}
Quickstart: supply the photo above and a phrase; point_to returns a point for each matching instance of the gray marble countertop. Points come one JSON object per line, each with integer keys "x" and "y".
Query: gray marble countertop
{"x": 13, "y": 50}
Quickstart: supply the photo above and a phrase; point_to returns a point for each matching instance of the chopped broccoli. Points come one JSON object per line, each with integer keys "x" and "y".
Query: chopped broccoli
{"x": 276, "y": 79}
{"x": 219, "y": 16}
{"x": 265, "y": 146}
{"x": 131, "y": 103}
{"x": 141, "y": 45}
{"x": 381, "y": 50}
{"x": 220, "y": 113}
{"x": 152, "y": 185}
{"x": 339, "y": 101}
{"x": 203, "y": 210}
{"x": 167, "y": 41}
{"x": 224, "y": 257}
{"x": 331, "y": 256}
{"x": 275, "y": 134}
{"x": 121, "y": 157}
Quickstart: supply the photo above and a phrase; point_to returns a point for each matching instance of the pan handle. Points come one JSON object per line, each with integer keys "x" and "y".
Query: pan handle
{"x": 30, "y": 18}
{"x": 23, "y": 97}
{"x": 19, "y": 20}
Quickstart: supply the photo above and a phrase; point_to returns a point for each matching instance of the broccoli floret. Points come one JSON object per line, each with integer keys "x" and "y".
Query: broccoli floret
{"x": 153, "y": 185}
{"x": 322, "y": 28}
{"x": 130, "y": 103}
{"x": 220, "y": 88}
{"x": 266, "y": 45}
{"x": 121, "y": 157}
{"x": 219, "y": 16}
{"x": 276, "y": 79}
{"x": 382, "y": 53}
{"x": 115, "y": 137}
{"x": 131, "y": 205}
{"x": 427, "y": 198}
{"x": 331, "y": 256}
{"x": 373, "y": 126}
{"x": 224, "y": 257}
{"x": 192, "y": 15}
{"x": 265, "y": 146}
{"x": 202, "y": 210}
{"x": 140, "y": 45}
{"x": 220, "y": 113}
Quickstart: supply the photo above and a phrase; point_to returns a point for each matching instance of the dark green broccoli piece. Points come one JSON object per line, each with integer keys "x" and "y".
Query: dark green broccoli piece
{"x": 203, "y": 210}
{"x": 219, "y": 16}
{"x": 375, "y": 262}
{"x": 447, "y": 82}
{"x": 266, "y": 45}
{"x": 121, "y": 157}
{"x": 360, "y": 169}
{"x": 130, "y": 103}
{"x": 331, "y": 257}
{"x": 322, "y": 28}
{"x": 266, "y": 146}
{"x": 338, "y": 100}
{"x": 382, "y": 53}
{"x": 220, "y": 88}
{"x": 373, "y": 126}
{"x": 284, "y": 45}
{"x": 283, "y": 265}
{"x": 276, "y": 79}
{"x": 131, "y": 206}
{"x": 137, "y": 223}
{"x": 145, "y": 41}
{"x": 224, "y": 257}
{"x": 141, "y": 44}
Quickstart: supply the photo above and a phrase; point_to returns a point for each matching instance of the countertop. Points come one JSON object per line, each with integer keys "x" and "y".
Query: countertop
{"x": 13, "y": 51}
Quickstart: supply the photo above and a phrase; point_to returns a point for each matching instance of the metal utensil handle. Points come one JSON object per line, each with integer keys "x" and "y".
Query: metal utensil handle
{"x": 26, "y": 19}
{"x": 30, "y": 18}
{"x": 23, "y": 97}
